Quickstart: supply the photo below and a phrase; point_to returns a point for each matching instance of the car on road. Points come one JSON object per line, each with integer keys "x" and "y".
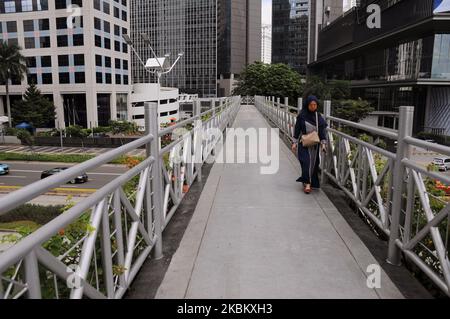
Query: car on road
{"x": 4, "y": 169}
{"x": 443, "y": 163}
{"x": 83, "y": 178}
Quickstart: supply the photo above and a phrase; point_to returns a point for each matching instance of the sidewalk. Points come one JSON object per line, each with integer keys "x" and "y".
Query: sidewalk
{"x": 258, "y": 236}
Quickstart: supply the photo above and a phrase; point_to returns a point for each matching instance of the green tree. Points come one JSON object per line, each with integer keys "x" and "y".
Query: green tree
{"x": 277, "y": 80}
{"x": 25, "y": 137}
{"x": 12, "y": 66}
{"x": 352, "y": 110}
{"x": 34, "y": 108}
{"x": 77, "y": 131}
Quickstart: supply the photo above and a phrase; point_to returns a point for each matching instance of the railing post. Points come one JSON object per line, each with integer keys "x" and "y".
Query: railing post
{"x": 278, "y": 111}
{"x": 32, "y": 276}
{"x": 405, "y": 130}
{"x": 327, "y": 114}
{"x": 198, "y": 128}
{"x": 300, "y": 105}
{"x": 152, "y": 126}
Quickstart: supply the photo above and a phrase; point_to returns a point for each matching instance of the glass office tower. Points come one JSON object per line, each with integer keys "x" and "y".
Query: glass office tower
{"x": 290, "y": 33}
{"x": 178, "y": 26}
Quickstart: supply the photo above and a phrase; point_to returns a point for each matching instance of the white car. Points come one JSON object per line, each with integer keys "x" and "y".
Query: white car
{"x": 443, "y": 163}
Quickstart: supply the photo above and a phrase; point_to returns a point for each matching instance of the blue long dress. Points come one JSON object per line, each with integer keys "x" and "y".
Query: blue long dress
{"x": 309, "y": 156}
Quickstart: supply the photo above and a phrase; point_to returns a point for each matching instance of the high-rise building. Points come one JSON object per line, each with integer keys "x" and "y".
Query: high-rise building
{"x": 175, "y": 26}
{"x": 266, "y": 46}
{"x": 348, "y": 4}
{"x": 290, "y": 33}
{"x": 239, "y": 40}
{"x": 405, "y": 62}
{"x": 75, "y": 55}
{"x": 322, "y": 14}
{"x": 218, "y": 37}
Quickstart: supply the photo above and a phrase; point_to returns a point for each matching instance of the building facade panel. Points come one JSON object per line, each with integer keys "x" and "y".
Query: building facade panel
{"x": 72, "y": 56}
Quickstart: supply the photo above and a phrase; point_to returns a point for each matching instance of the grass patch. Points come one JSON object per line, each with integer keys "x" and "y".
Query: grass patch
{"x": 38, "y": 214}
{"x": 36, "y": 157}
{"x": 60, "y": 158}
{"x": 20, "y": 225}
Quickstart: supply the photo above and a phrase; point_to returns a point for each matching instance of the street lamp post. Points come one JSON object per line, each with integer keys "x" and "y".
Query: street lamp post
{"x": 156, "y": 66}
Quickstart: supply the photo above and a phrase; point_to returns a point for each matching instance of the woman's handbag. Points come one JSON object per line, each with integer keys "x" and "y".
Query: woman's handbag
{"x": 312, "y": 138}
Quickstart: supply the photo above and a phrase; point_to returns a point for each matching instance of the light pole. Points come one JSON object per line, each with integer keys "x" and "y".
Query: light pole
{"x": 156, "y": 66}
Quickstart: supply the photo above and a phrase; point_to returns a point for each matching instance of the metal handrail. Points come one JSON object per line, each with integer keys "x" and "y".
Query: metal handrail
{"x": 29, "y": 192}
{"x": 138, "y": 217}
{"x": 393, "y": 197}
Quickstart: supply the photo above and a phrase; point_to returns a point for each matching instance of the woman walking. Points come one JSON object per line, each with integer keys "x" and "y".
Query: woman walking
{"x": 310, "y": 137}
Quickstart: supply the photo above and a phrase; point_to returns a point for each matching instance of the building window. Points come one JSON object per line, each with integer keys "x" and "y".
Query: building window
{"x": 98, "y": 60}
{"x": 27, "y": 5}
{"x": 80, "y": 77}
{"x": 97, "y": 5}
{"x": 78, "y": 59}
{"x": 64, "y": 78}
{"x": 29, "y": 43}
{"x": 46, "y": 61}
{"x": 108, "y": 78}
{"x": 44, "y": 24}
{"x": 44, "y": 42}
{"x": 118, "y": 79}
{"x": 61, "y": 23}
{"x": 28, "y": 25}
{"x": 107, "y": 43}
{"x": 78, "y": 40}
{"x": 47, "y": 78}
{"x": 11, "y": 26}
{"x": 106, "y": 27}
{"x": 10, "y": 6}
{"x": 63, "y": 60}
{"x": 97, "y": 24}
{"x": 99, "y": 77}
{"x": 62, "y": 40}
{"x": 32, "y": 78}
{"x": 98, "y": 41}
{"x": 31, "y": 62}
{"x": 106, "y": 8}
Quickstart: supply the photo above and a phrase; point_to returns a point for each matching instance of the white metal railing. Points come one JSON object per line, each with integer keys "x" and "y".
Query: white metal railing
{"x": 96, "y": 248}
{"x": 393, "y": 191}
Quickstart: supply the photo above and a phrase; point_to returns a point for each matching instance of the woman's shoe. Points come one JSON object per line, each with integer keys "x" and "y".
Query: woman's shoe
{"x": 307, "y": 190}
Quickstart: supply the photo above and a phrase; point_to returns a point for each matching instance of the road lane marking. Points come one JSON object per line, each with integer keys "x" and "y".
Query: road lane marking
{"x": 89, "y": 173}
{"x": 10, "y": 176}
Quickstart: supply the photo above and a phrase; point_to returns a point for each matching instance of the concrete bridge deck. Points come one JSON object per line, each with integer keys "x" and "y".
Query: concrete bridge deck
{"x": 258, "y": 236}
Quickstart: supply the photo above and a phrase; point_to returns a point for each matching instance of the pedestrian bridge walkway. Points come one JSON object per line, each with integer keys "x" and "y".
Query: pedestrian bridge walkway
{"x": 260, "y": 236}
{"x": 252, "y": 235}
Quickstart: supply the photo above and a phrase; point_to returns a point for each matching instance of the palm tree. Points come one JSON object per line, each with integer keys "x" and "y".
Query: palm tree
{"x": 12, "y": 65}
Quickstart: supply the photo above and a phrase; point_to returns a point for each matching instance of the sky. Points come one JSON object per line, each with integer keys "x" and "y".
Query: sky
{"x": 267, "y": 11}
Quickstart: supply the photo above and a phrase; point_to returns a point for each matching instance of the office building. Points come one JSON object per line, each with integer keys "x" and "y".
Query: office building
{"x": 405, "y": 62}
{"x": 175, "y": 26}
{"x": 266, "y": 46}
{"x": 290, "y": 19}
{"x": 218, "y": 38}
{"x": 75, "y": 55}
{"x": 322, "y": 13}
{"x": 239, "y": 40}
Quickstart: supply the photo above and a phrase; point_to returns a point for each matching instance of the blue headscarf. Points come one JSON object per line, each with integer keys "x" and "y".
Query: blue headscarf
{"x": 307, "y": 115}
